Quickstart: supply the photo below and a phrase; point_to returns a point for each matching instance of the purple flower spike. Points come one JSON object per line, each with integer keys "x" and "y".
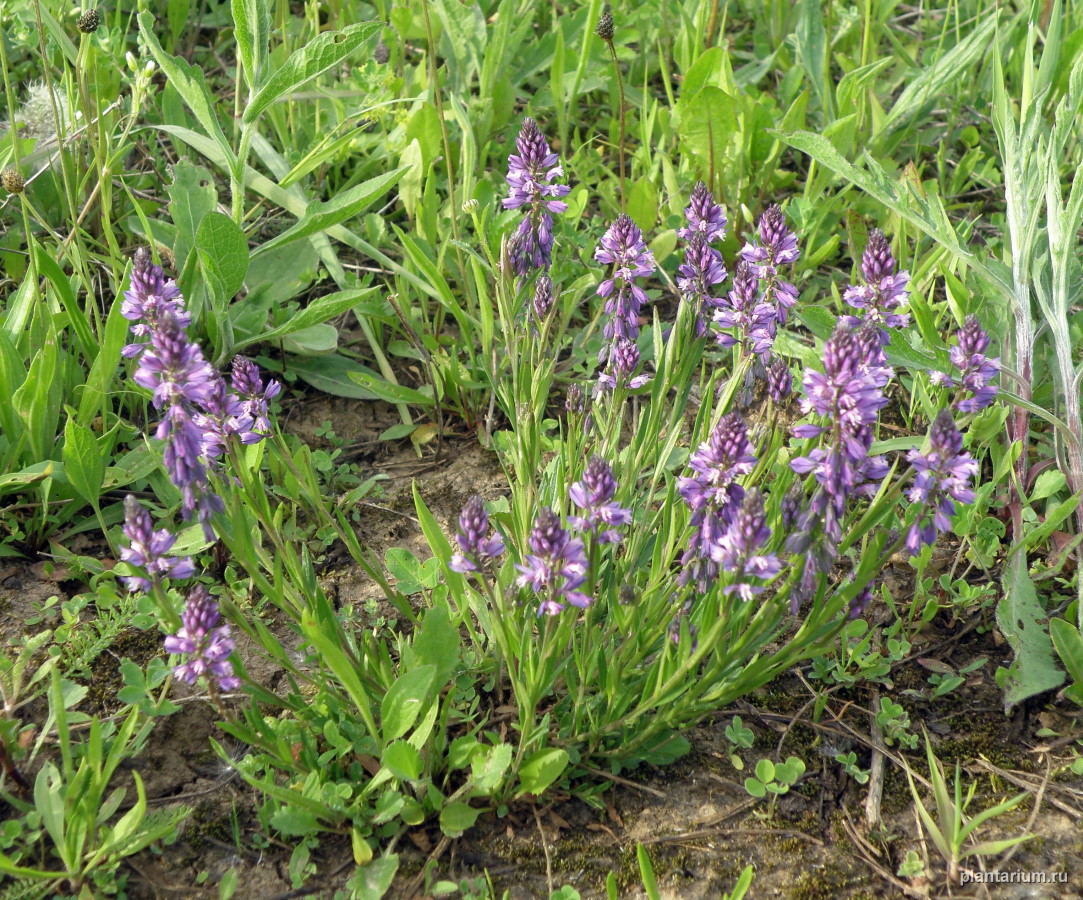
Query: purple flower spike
{"x": 148, "y": 549}
{"x": 623, "y": 364}
{"x": 942, "y": 477}
{"x": 779, "y": 381}
{"x": 556, "y": 566}
{"x": 530, "y": 176}
{"x": 976, "y": 370}
{"x": 149, "y": 296}
{"x": 704, "y": 216}
{"x": 173, "y": 367}
{"x": 623, "y": 248}
{"x": 594, "y": 494}
{"x": 752, "y": 321}
{"x": 475, "y": 546}
{"x": 850, "y": 390}
{"x": 714, "y": 496}
{"x": 778, "y": 247}
{"x": 884, "y": 291}
{"x": 736, "y": 551}
{"x": 696, "y": 276}
{"x": 255, "y": 396}
{"x": 206, "y": 644}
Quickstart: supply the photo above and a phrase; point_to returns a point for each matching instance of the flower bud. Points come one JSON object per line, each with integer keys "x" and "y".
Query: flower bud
{"x": 381, "y": 53}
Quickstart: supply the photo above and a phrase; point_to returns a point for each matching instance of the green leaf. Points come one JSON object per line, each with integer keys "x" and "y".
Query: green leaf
{"x": 437, "y": 642}
{"x": 1019, "y": 616}
{"x": 295, "y": 822}
{"x": 755, "y": 788}
{"x": 252, "y": 30}
{"x": 191, "y": 197}
{"x": 765, "y": 770}
{"x": 223, "y": 255}
{"x": 308, "y": 62}
{"x": 374, "y": 880}
{"x": 403, "y": 760}
{"x": 331, "y": 374}
{"x": 643, "y": 204}
{"x": 189, "y": 83}
{"x": 319, "y": 311}
{"x": 541, "y": 768}
{"x": 83, "y": 462}
{"x": 1069, "y": 645}
{"x": 315, "y": 340}
{"x": 322, "y": 216}
{"x": 456, "y": 817}
{"x": 403, "y": 702}
{"x": 707, "y": 123}
{"x": 391, "y": 393}
{"x": 487, "y": 770}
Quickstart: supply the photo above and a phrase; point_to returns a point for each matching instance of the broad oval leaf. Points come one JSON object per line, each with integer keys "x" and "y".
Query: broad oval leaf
{"x": 403, "y": 702}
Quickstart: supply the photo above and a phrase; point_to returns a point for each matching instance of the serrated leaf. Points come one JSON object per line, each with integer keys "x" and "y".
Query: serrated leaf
{"x": 308, "y": 62}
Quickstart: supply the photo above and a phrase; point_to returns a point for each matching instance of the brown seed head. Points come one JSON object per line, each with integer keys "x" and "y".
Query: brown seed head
{"x": 89, "y": 21}
{"x": 12, "y": 181}
{"x": 382, "y": 53}
{"x": 606, "y": 27}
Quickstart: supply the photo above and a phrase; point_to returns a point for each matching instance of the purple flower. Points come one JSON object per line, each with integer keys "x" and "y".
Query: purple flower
{"x": 594, "y": 494}
{"x": 206, "y": 644}
{"x": 753, "y": 321}
{"x": 696, "y": 276}
{"x": 778, "y": 247}
{"x": 976, "y": 370}
{"x": 860, "y": 603}
{"x": 884, "y": 290}
{"x": 850, "y": 389}
{"x": 148, "y": 549}
{"x": 530, "y": 176}
{"x": 223, "y": 417}
{"x": 736, "y": 552}
{"x": 704, "y": 216}
{"x": 623, "y": 363}
{"x": 173, "y": 367}
{"x": 779, "y": 381}
{"x": 149, "y": 296}
{"x": 942, "y": 477}
{"x": 255, "y": 396}
{"x": 623, "y": 248}
{"x": 475, "y": 546}
{"x": 556, "y": 566}
{"x": 714, "y": 496}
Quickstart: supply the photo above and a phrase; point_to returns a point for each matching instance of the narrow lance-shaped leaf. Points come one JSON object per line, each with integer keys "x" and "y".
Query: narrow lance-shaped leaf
{"x": 190, "y": 84}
